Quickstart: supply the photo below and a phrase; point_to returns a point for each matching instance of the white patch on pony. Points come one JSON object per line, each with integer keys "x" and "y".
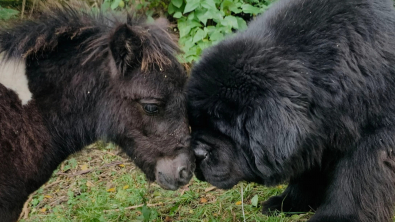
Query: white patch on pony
{"x": 13, "y": 76}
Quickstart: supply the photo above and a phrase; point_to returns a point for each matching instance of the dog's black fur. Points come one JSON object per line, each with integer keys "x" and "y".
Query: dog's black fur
{"x": 305, "y": 95}
{"x": 93, "y": 76}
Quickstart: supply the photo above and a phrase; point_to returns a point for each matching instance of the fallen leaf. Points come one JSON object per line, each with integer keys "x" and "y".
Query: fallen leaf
{"x": 111, "y": 189}
{"x": 125, "y": 187}
{"x": 210, "y": 189}
{"x": 191, "y": 211}
{"x": 168, "y": 219}
{"x": 48, "y": 197}
{"x": 84, "y": 167}
{"x": 43, "y": 209}
{"x": 203, "y": 200}
{"x": 280, "y": 186}
{"x": 254, "y": 201}
{"x": 121, "y": 165}
{"x": 89, "y": 184}
{"x": 238, "y": 203}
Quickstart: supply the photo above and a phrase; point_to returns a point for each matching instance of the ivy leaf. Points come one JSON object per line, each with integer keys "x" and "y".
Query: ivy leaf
{"x": 208, "y": 4}
{"x": 177, "y": 3}
{"x": 231, "y": 21}
{"x": 226, "y": 4}
{"x": 254, "y": 201}
{"x": 247, "y": 8}
{"x": 213, "y": 14}
{"x": 191, "y": 5}
{"x": 216, "y": 36}
{"x": 241, "y": 23}
{"x": 115, "y": 4}
{"x": 171, "y": 9}
{"x": 191, "y": 16}
{"x": 177, "y": 15}
{"x": 185, "y": 26}
{"x": 202, "y": 15}
{"x": 204, "y": 44}
{"x": 200, "y": 34}
{"x": 6, "y": 13}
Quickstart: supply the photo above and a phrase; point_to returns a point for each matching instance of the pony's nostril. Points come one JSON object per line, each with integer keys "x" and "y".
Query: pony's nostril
{"x": 200, "y": 153}
{"x": 183, "y": 173}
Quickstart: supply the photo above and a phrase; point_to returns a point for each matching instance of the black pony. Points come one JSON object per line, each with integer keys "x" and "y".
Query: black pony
{"x": 71, "y": 78}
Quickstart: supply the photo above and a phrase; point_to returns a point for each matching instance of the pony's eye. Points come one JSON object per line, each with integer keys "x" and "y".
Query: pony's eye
{"x": 151, "y": 109}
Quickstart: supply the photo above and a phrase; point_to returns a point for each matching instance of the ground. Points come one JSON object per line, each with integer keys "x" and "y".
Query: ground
{"x": 100, "y": 184}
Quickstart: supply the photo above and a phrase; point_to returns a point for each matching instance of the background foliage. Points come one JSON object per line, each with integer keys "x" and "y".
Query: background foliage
{"x": 199, "y": 23}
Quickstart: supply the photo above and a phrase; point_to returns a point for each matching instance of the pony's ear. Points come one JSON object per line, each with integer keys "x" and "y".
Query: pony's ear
{"x": 126, "y": 48}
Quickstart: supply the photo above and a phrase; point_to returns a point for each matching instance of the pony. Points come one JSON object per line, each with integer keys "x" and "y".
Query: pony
{"x": 72, "y": 77}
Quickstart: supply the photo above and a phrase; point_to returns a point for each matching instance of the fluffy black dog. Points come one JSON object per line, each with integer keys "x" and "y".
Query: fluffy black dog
{"x": 305, "y": 95}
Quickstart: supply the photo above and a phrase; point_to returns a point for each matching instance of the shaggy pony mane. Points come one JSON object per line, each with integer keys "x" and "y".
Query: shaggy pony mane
{"x": 93, "y": 29}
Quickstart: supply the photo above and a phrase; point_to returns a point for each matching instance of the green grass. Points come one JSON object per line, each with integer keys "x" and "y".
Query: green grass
{"x": 99, "y": 184}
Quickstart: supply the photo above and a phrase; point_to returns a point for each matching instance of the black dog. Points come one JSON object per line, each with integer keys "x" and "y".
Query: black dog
{"x": 305, "y": 95}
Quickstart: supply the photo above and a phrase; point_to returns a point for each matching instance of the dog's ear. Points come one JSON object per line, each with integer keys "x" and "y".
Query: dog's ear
{"x": 126, "y": 48}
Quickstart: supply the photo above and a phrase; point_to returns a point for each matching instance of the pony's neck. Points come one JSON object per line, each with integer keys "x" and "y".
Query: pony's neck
{"x": 54, "y": 141}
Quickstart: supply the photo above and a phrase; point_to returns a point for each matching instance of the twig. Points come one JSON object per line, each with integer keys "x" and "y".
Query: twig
{"x": 23, "y": 8}
{"x": 31, "y": 10}
{"x": 134, "y": 207}
{"x": 25, "y": 210}
{"x": 51, "y": 184}
{"x": 242, "y": 203}
{"x": 59, "y": 200}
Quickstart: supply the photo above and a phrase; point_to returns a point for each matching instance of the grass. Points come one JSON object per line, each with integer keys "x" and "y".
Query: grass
{"x": 99, "y": 184}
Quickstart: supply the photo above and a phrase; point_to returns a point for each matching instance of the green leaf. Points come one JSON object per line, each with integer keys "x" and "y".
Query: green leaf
{"x": 208, "y": 4}
{"x": 231, "y": 6}
{"x": 216, "y": 36}
{"x": 191, "y": 16}
{"x": 191, "y": 5}
{"x": 106, "y": 5}
{"x": 177, "y": 3}
{"x": 177, "y": 15}
{"x": 231, "y": 21}
{"x": 204, "y": 44}
{"x": 185, "y": 26}
{"x": 115, "y": 4}
{"x": 247, "y": 8}
{"x": 213, "y": 14}
{"x": 200, "y": 34}
{"x": 171, "y": 9}
{"x": 241, "y": 23}
{"x": 6, "y": 13}
{"x": 226, "y": 4}
{"x": 146, "y": 212}
{"x": 254, "y": 201}
{"x": 202, "y": 15}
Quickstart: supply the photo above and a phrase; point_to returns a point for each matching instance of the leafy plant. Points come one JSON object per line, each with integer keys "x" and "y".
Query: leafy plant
{"x": 7, "y": 13}
{"x": 202, "y": 23}
{"x": 149, "y": 7}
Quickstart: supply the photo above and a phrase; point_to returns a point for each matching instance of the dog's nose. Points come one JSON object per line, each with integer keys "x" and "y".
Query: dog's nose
{"x": 200, "y": 153}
